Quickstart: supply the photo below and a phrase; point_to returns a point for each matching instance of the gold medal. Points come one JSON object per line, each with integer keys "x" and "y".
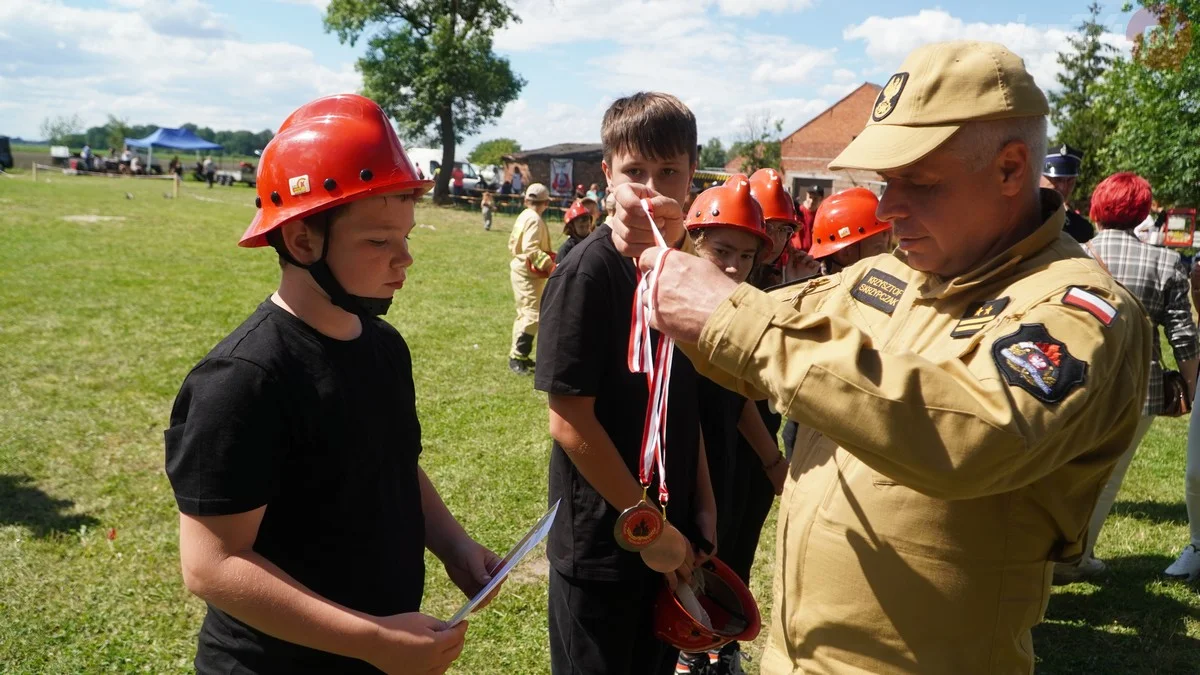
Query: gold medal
{"x": 638, "y": 526}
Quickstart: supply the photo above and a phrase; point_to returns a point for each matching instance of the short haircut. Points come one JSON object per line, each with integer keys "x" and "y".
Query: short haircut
{"x": 1121, "y": 201}
{"x": 977, "y": 143}
{"x": 648, "y": 123}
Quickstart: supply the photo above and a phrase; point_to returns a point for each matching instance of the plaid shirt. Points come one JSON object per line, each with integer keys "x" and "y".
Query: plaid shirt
{"x": 1157, "y": 278}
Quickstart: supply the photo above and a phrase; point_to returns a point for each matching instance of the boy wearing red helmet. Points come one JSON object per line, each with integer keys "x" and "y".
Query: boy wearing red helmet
{"x": 293, "y": 446}
{"x": 577, "y": 225}
{"x": 846, "y": 230}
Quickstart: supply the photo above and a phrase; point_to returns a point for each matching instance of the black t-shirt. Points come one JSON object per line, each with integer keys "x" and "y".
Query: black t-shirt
{"x": 571, "y": 242}
{"x": 583, "y": 341}
{"x": 720, "y": 411}
{"x": 324, "y": 433}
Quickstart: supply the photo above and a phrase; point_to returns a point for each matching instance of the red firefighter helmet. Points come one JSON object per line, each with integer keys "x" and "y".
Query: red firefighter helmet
{"x": 331, "y": 151}
{"x": 767, "y": 187}
{"x": 730, "y": 606}
{"x": 577, "y": 209}
{"x": 730, "y": 205}
{"x": 846, "y": 218}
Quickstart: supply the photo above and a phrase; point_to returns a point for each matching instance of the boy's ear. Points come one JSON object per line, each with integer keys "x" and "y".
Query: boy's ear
{"x": 607, "y": 173}
{"x": 300, "y": 242}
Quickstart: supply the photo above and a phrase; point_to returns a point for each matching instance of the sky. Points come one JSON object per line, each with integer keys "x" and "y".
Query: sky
{"x": 246, "y": 64}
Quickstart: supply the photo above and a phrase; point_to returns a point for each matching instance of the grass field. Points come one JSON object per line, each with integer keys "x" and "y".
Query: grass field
{"x": 106, "y": 302}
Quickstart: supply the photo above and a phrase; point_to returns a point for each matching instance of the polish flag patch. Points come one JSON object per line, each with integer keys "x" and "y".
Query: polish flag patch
{"x": 1091, "y": 303}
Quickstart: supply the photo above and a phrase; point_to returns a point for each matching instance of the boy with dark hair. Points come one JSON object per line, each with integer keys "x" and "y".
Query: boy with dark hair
{"x": 293, "y": 446}
{"x": 601, "y": 596}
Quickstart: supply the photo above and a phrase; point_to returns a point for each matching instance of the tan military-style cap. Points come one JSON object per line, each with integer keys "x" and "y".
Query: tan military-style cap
{"x": 938, "y": 88}
{"x": 536, "y": 192}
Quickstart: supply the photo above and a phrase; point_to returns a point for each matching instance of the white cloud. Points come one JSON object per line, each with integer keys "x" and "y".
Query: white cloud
{"x": 889, "y": 40}
{"x": 754, "y": 7}
{"x": 683, "y": 47}
{"x": 795, "y": 69}
{"x": 837, "y": 91}
{"x": 180, "y": 18}
{"x": 136, "y": 61}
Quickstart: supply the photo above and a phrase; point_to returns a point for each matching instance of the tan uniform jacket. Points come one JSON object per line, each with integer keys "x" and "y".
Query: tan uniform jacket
{"x": 941, "y": 463}
{"x": 530, "y": 240}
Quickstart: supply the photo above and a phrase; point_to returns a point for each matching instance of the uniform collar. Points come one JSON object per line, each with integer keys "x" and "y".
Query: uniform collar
{"x": 1054, "y": 216}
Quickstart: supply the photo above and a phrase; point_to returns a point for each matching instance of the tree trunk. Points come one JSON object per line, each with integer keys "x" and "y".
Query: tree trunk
{"x": 441, "y": 191}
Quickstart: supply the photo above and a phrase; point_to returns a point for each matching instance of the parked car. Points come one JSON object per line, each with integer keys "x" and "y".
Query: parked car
{"x": 243, "y": 173}
{"x": 428, "y": 160}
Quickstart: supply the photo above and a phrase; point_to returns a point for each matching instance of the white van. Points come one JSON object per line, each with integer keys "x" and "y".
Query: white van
{"x": 429, "y": 159}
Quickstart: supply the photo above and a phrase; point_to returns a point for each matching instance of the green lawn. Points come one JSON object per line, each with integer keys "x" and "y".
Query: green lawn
{"x": 100, "y": 318}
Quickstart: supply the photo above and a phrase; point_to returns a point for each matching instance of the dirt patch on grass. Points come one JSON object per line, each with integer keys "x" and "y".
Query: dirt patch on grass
{"x": 534, "y": 569}
{"x": 92, "y": 218}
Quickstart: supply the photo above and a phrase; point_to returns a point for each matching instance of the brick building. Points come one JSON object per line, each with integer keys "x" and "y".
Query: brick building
{"x": 807, "y": 152}
{"x": 535, "y": 164}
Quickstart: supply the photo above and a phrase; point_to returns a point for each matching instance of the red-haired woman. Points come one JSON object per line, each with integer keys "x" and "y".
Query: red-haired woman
{"x": 1159, "y": 280}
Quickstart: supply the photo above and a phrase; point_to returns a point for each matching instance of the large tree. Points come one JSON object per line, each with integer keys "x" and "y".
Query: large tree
{"x": 712, "y": 154}
{"x": 1072, "y": 110}
{"x": 60, "y": 129}
{"x": 430, "y": 64}
{"x": 760, "y": 145}
{"x": 1153, "y": 102}
{"x": 491, "y": 152}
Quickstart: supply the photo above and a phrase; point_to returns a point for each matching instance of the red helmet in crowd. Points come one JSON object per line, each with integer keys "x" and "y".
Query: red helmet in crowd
{"x": 731, "y": 610}
{"x": 730, "y": 205}
{"x": 767, "y": 187}
{"x": 332, "y": 151}
{"x": 577, "y": 209}
{"x": 846, "y": 218}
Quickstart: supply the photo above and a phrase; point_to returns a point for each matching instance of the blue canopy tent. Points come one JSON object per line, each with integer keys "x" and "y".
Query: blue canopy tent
{"x": 175, "y": 139}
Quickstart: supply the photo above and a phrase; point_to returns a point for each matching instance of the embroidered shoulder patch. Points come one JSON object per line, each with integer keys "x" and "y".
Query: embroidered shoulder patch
{"x": 1039, "y": 364}
{"x": 1092, "y": 304}
{"x": 978, "y": 315}
{"x": 879, "y": 290}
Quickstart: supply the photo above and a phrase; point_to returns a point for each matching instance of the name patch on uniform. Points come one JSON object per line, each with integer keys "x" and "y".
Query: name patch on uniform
{"x": 1032, "y": 360}
{"x": 879, "y": 290}
{"x": 1091, "y": 303}
{"x": 978, "y": 315}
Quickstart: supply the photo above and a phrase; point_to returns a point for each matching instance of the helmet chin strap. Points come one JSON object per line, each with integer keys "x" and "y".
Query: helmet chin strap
{"x": 320, "y": 272}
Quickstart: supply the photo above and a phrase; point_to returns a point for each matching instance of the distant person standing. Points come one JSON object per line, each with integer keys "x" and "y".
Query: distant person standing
{"x": 532, "y": 263}
{"x": 135, "y": 165}
{"x": 518, "y": 181}
{"x": 487, "y": 204}
{"x": 1159, "y": 280}
{"x": 86, "y": 156}
{"x": 457, "y": 177}
{"x": 807, "y": 210}
{"x": 176, "y": 166}
{"x": 1060, "y": 173}
{"x": 210, "y": 172}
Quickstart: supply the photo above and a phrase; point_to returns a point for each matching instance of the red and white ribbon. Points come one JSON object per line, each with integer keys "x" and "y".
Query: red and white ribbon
{"x": 657, "y": 368}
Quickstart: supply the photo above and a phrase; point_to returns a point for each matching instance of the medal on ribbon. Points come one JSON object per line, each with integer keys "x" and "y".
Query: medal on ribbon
{"x": 640, "y": 525}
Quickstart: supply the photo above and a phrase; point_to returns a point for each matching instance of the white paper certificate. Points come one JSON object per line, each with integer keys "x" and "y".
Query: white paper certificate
{"x": 530, "y": 541}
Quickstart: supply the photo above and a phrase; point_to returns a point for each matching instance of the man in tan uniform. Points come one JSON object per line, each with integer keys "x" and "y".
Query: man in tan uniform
{"x": 532, "y": 262}
{"x": 962, "y": 400}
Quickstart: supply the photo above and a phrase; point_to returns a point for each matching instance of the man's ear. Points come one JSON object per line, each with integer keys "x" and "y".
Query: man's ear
{"x": 301, "y": 242}
{"x": 1013, "y": 167}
